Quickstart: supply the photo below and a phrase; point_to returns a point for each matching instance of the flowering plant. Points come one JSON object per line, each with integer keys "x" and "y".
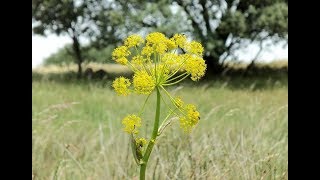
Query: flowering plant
{"x": 157, "y": 62}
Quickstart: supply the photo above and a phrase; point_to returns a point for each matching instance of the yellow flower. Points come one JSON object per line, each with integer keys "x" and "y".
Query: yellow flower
{"x": 147, "y": 51}
{"x": 195, "y": 65}
{"x": 190, "y": 119}
{"x": 155, "y": 38}
{"x": 172, "y": 61}
{"x": 168, "y": 57}
{"x": 137, "y": 60}
{"x": 160, "y": 48}
{"x": 121, "y": 85}
{"x": 131, "y": 124}
{"x": 122, "y": 60}
{"x": 133, "y": 40}
{"x": 161, "y": 71}
{"x": 180, "y": 40}
{"x": 120, "y": 52}
{"x": 171, "y": 44}
{"x": 140, "y": 142}
{"x": 158, "y": 42}
{"x": 143, "y": 83}
{"x": 195, "y": 47}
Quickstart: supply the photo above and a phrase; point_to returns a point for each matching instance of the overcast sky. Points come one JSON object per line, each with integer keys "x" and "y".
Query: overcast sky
{"x": 43, "y": 47}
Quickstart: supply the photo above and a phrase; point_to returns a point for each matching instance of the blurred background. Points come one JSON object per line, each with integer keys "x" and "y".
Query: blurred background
{"x": 242, "y": 99}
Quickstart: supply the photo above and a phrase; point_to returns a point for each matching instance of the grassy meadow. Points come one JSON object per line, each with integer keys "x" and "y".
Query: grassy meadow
{"x": 243, "y": 131}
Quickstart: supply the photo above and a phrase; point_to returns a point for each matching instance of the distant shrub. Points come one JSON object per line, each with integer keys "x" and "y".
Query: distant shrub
{"x": 64, "y": 56}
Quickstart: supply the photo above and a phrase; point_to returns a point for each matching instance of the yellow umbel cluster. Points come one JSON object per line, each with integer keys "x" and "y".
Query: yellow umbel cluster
{"x": 158, "y": 61}
{"x": 133, "y": 40}
{"x": 121, "y": 85}
{"x": 120, "y": 55}
{"x": 131, "y": 124}
{"x": 190, "y": 118}
{"x": 143, "y": 82}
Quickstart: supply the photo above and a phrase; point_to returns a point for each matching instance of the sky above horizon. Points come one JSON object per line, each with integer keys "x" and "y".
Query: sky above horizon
{"x": 43, "y": 47}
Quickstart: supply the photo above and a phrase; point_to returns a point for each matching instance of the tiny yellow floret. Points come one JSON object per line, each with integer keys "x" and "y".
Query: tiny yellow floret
{"x": 140, "y": 142}
{"x": 120, "y": 53}
{"x": 190, "y": 119}
{"x": 137, "y": 60}
{"x": 195, "y": 65}
{"x": 121, "y": 85}
{"x": 133, "y": 40}
{"x": 122, "y": 60}
{"x": 180, "y": 40}
{"x": 195, "y": 47}
{"x": 147, "y": 51}
{"x": 131, "y": 124}
{"x": 143, "y": 83}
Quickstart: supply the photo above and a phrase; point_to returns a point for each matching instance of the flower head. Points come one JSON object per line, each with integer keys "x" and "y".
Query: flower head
{"x": 137, "y": 60}
{"x": 143, "y": 83}
{"x": 155, "y": 38}
{"x": 140, "y": 142}
{"x": 160, "y": 48}
{"x": 195, "y": 47}
{"x": 122, "y": 60}
{"x": 172, "y": 60}
{"x": 147, "y": 51}
{"x": 190, "y": 118}
{"x": 158, "y": 42}
{"x": 120, "y": 53}
{"x": 121, "y": 85}
{"x": 171, "y": 44}
{"x": 195, "y": 65}
{"x": 133, "y": 40}
{"x": 131, "y": 124}
{"x": 180, "y": 40}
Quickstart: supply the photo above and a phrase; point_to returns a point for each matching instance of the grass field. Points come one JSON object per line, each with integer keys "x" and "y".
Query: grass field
{"x": 242, "y": 134}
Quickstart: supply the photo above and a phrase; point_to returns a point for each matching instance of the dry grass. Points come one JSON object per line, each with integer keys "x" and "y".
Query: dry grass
{"x": 110, "y": 68}
{"x": 76, "y": 134}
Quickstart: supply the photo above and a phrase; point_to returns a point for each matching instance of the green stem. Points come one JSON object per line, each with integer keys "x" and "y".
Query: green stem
{"x": 133, "y": 69}
{"x": 164, "y": 123}
{"x": 180, "y": 66}
{"x": 169, "y": 80}
{"x": 171, "y": 98}
{"x": 152, "y": 140}
{"x": 144, "y": 105}
{"x": 176, "y": 82}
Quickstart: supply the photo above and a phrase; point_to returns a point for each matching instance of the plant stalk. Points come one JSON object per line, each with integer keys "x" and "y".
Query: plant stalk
{"x": 151, "y": 143}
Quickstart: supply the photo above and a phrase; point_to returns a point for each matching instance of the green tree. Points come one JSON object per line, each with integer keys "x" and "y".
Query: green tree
{"x": 123, "y": 17}
{"x": 225, "y": 25}
{"x": 222, "y": 26}
{"x": 103, "y": 23}
{"x": 89, "y": 53}
{"x": 75, "y": 18}
{"x": 61, "y": 57}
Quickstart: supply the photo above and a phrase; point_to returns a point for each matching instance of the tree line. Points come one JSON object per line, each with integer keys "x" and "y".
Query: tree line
{"x": 222, "y": 26}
